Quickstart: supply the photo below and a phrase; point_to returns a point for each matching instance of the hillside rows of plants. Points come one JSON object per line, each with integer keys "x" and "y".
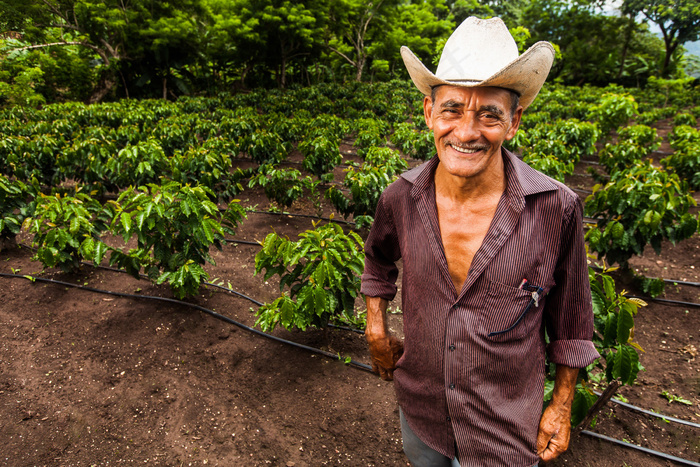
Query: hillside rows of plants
{"x": 150, "y": 186}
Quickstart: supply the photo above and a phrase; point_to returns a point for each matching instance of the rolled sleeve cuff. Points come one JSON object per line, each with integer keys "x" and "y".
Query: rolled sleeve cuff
{"x": 377, "y": 288}
{"x": 574, "y": 353}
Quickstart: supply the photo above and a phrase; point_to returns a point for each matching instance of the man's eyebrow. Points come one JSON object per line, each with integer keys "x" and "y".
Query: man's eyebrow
{"x": 492, "y": 109}
{"x": 453, "y": 104}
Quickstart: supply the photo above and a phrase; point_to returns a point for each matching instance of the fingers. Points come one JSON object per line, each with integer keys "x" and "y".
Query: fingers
{"x": 387, "y": 374}
{"x": 552, "y": 439}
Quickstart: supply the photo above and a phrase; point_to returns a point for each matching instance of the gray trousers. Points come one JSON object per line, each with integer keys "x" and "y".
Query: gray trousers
{"x": 419, "y": 453}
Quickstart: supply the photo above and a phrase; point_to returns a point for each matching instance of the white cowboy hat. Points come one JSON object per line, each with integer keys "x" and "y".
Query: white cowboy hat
{"x": 482, "y": 52}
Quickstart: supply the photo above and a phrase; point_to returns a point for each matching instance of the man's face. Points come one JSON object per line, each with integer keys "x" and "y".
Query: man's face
{"x": 469, "y": 125}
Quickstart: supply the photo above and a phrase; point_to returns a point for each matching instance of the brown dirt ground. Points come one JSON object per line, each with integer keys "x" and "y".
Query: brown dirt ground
{"x": 89, "y": 379}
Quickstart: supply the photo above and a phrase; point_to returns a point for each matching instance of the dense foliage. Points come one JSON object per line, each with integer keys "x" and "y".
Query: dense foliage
{"x": 78, "y": 49}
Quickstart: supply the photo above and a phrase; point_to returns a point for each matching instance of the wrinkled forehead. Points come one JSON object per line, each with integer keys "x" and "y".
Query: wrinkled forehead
{"x": 472, "y": 94}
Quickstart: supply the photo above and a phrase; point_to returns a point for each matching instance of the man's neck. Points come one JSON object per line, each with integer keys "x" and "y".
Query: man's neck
{"x": 466, "y": 190}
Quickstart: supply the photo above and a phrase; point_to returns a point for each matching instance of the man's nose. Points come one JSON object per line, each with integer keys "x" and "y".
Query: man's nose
{"x": 467, "y": 128}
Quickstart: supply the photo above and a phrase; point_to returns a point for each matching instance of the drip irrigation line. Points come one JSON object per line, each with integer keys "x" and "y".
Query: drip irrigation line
{"x": 346, "y": 328}
{"x": 145, "y": 276}
{"x": 227, "y": 289}
{"x": 665, "y": 300}
{"x": 212, "y": 313}
{"x": 671, "y": 281}
{"x": 640, "y": 448}
{"x": 328, "y": 219}
{"x": 653, "y": 414}
{"x": 242, "y": 242}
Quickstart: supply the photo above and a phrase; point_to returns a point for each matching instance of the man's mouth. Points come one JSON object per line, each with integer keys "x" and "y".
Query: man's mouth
{"x": 466, "y": 149}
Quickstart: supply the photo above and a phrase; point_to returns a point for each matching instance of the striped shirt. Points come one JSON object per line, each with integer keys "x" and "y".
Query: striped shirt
{"x": 472, "y": 372}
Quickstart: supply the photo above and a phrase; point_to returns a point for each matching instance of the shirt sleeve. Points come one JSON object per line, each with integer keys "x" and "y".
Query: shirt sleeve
{"x": 382, "y": 250}
{"x": 569, "y": 310}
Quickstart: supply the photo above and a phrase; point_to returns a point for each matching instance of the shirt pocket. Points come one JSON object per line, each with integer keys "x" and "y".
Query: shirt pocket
{"x": 509, "y": 313}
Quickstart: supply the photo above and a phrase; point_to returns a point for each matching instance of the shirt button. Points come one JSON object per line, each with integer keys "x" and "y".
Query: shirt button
{"x": 449, "y": 419}
{"x": 452, "y": 385}
{"x": 452, "y": 347}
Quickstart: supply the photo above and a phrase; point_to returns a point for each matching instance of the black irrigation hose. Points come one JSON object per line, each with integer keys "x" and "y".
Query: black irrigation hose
{"x": 653, "y": 414}
{"x": 328, "y": 219}
{"x": 227, "y": 289}
{"x": 640, "y": 448}
{"x": 242, "y": 242}
{"x": 664, "y": 300}
{"x": 216, "y": 315}
{"x": 671, "y": 281}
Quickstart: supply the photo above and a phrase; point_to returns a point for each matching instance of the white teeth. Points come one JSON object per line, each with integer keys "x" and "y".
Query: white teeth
{"x": 465, "y": 150}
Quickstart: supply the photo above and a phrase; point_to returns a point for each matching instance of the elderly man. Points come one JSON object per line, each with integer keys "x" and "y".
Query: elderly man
{"x": 493, "y": 255}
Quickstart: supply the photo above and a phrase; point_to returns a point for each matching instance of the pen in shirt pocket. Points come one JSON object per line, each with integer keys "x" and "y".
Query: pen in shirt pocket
{"x": 533, "y": 289}
{"x": 535, "y": 292}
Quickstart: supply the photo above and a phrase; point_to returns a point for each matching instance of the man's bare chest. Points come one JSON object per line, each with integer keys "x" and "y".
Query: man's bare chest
{"x": 462, "y": 233}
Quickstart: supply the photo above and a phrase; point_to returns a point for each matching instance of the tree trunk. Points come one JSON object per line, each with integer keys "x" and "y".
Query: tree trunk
{"x": 165, "y": 88}
{"x": 625, "y": 46}
{"x": 104, "y": 87}
{"x": 283, "y": 74}
{"x": 667, "y": 60}
{"x": 360, "y": 65}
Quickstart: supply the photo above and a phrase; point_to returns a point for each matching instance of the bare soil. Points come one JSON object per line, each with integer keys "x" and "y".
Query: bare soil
{"x": 91, "y": 379}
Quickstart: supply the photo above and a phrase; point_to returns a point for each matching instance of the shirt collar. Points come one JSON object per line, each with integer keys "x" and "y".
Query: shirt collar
{"x": 521, "y": 179}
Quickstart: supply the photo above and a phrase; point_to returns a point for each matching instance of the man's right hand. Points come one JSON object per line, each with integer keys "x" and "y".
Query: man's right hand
{"x": 386, "y": 351}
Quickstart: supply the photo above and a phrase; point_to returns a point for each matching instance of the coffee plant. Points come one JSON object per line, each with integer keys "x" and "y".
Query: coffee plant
{"x": 549, "y": 165}
{"x": 174, "y": 226}
{"x": 67, "y": 230}
{"x": 613, "y": 338}
{"x": 613, "y": 111}
{"x": 321, "y": 271}
{"x": 16, "y": 204}
{"x": 321, "y": 155}
{"x": 685, "y": 162}
{"x": 284, "y": 186}
{"x": 637, "y": 207}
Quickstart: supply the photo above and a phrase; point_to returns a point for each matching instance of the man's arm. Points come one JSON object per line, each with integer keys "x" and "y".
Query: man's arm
{"x": 384, "y": 348}
{"x": 555, "y": 425}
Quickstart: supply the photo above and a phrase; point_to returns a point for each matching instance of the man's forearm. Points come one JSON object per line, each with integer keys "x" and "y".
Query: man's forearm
{"x": 376, "y": 318}
{"x": 564, "y": 387}
{"x": 384, "y": 348}
{"x": 555, "y": 425}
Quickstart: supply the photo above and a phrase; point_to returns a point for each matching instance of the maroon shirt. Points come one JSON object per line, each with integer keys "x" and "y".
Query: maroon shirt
{"x": 456, "y": 381}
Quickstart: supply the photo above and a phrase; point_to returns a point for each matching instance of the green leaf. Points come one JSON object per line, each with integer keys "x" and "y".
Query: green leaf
{"x": 609, "y": 285}
{"x": 126, "y": 222}
{"x": 625, "y": 322}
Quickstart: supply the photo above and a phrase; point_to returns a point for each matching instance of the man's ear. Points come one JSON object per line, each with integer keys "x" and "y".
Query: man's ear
{"x": 514, "y": 123}
{"x": 428, "y": 111}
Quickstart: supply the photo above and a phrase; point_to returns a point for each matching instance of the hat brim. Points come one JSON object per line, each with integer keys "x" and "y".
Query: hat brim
{"x": 524, "y": 75}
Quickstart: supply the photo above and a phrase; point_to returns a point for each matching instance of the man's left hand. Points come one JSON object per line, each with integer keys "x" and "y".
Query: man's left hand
{"x": 554, "y": 432}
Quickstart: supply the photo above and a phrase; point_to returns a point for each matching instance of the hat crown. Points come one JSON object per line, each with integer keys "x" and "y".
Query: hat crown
{"x": 477, "y": 49}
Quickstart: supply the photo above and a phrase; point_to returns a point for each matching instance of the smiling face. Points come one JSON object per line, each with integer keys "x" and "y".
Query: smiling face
{"x": 470, "y": 125}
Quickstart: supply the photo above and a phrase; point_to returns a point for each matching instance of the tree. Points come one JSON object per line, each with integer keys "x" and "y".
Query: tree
{"x": 278, "y": 34}
{"x": 113, "y": 30}
{"x": 420, "y": 26}
{"x": 462, "y": 9}
{"x": 679, "y": 21}
{"x": 351, "y": 24}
